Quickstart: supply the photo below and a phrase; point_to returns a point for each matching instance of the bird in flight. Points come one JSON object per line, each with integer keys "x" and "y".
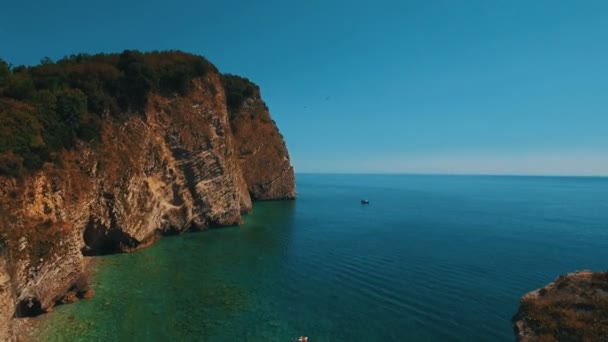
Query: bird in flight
{"x": 326, "y": 99}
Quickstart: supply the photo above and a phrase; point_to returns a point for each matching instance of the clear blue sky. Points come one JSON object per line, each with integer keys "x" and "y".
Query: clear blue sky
{"x": 516, "y": 87}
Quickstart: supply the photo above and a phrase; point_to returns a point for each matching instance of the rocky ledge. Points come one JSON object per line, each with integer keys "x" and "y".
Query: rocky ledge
{"x": 574, "y": 307}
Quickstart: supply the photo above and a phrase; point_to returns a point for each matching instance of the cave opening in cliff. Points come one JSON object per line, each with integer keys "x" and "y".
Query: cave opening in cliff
{"x": 102, "y": 240}
{"x": 28, "y": 307}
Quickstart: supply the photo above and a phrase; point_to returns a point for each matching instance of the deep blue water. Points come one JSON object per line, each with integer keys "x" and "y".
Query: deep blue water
{"x": 432, "y": 258}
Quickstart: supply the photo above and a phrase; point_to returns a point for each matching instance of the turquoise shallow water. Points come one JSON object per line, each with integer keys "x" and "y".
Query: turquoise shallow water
{"x": 432, "y": 258}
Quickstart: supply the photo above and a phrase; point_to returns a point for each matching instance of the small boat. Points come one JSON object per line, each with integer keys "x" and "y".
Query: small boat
{"x": 364, "y": 201}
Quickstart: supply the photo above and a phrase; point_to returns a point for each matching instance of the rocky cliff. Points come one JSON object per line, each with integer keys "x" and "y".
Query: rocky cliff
{"x": 175, "y": 167}
{"x": 572, "y": 308}
{"x": 262, "y": 152}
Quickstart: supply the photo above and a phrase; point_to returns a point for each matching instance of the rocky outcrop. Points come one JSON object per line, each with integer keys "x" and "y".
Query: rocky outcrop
{"x": 176, "y": 167}
{"x": 572, "y": 308}
{"x": 262, "y": 152}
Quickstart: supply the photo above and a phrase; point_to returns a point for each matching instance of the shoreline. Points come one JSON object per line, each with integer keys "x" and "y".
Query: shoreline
{"x": 25, "y": 329}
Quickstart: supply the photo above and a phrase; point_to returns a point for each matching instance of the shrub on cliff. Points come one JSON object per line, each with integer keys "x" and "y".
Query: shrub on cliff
{"x": 3, "y": 243}
{"x": 47, "y": 75}
{"x": 4, "y": 72}
{"x": 10, "y": 164}
{"x": 19, "y": 86}
{"x": 175, "y": 70}
{"x": 136, "y": 82}
{"x": 238, "y": 89}
{"x": 21, "y": 132}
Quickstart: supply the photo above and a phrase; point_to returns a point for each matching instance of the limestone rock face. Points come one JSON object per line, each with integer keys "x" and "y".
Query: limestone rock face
{"x": 176, "y": 167}
{"x": 572, "y": 308}
{"x": 262, "y": 152}
{"x": 7, "y": 302}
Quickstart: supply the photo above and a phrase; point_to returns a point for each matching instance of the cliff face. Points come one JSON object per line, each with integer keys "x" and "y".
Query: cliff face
{"x": 262, "y": 152}
{"x": 177, "y": 167}
{"x": 572, "y": 308}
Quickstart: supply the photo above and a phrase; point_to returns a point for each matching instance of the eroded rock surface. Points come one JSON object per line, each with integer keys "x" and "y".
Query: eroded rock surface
{"x": 262, "y": 152}
{"x": 572, "y": 308}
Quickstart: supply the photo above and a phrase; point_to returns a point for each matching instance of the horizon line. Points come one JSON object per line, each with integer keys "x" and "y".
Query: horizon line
{"x": 446, "y": 174}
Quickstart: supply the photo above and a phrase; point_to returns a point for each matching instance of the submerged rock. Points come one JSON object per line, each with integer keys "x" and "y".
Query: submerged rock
{"x": 574, "y": 307}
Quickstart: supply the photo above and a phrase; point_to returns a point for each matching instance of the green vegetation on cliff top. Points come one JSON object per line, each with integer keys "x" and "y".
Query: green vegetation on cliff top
{"x": 238, "y": 89}
{"x": 50, "y": 106}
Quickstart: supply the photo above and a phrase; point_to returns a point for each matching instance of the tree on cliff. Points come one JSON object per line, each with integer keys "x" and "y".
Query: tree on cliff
{"x": 19, "y": 86}
{"x": 5, "y": 70}
{"x": 137, "y": 81}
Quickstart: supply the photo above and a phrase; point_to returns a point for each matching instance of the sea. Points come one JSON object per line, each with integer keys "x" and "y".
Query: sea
{"x": 430, "y": 258}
